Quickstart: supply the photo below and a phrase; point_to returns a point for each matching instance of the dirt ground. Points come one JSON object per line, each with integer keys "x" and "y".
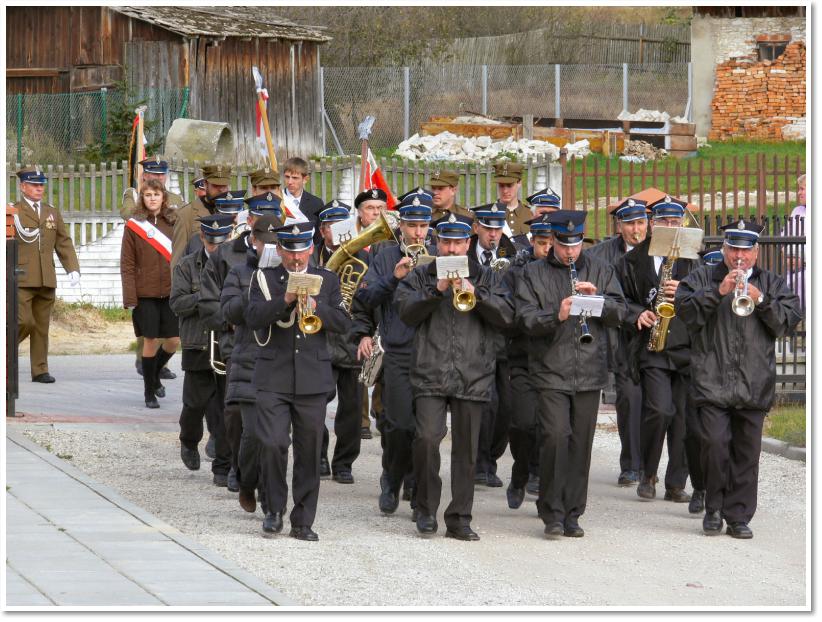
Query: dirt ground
{"x": 85, "y": 331}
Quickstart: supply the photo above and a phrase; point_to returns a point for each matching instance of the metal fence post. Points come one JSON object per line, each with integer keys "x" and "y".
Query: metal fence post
{"x": 485, "y": 89}
{"x": 184, "y": 105}
{"x": 406, "y": 77}
{"x": 625, "y": 86}
{"x": 557, "y": 91}
{"x": 104, "y": 119}
{"x": 20, "y": 127}
{"x": 322, "y": 107}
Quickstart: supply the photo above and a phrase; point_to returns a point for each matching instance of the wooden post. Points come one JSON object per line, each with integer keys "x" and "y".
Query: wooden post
{"x": 566, "y": 182}
{"x": 761, "y": 199}
{"x": 528, "y": 126}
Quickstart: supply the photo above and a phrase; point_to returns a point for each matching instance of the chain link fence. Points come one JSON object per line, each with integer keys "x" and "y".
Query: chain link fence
{"x": 402, "y": 98}
{"x": 47, "y": 128}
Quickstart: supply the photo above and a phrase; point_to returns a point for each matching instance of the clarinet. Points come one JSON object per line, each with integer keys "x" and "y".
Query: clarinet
{"x": 585, "y": 336}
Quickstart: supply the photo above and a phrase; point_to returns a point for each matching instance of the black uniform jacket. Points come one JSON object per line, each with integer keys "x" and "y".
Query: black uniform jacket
{"x": 184, "y": 300}
{"x": 453, "y": 353}
{"x": 732, "y": 358}
{"x": 518, "y": 341}
{"x": 556, "y": 359}
{"x": 291, "y": 362}
{"x": 233, "y": 303}
{"x": 505, "y": 248}
{"x": 639, "y": 282}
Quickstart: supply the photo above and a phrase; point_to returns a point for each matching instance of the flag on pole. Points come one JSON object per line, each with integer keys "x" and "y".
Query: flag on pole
{"x": 137, "y": 148}
{"x": 374, "y": 179}
{"x": 259, "y": 118}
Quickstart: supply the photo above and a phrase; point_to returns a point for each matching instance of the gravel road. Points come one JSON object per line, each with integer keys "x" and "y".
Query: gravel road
{"x": 634, "y": 553}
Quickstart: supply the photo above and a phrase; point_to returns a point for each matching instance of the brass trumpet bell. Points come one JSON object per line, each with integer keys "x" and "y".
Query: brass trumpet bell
{"x": 463, "y": 300}
{"x": 310, "y": 324}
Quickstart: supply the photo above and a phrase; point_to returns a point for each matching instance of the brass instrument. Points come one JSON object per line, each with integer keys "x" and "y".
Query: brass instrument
{"x": 463, "y": 300}
{"x": 309, "y": 323}
{"x": 372, "y": 366}
{"x": 238, "y": 230}
{"x": 500, "y": 263}
{"x": 663, "y": 307}
{"x": 414, "y": 251}
{"x": 217, "y": 365}
{"x": 585, "y": 336}
{"x": 742, "y": 304}
{"x": 350, "y": 269}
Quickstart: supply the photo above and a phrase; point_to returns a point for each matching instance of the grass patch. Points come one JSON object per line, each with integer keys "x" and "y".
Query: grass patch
{"x": 787, "y": 423}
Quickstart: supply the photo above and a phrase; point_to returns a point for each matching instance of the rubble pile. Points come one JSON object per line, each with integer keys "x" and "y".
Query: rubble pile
{"x": 649, "y": 115}
{"x": 482, "y": 149}
{"x": 638, "y": 151}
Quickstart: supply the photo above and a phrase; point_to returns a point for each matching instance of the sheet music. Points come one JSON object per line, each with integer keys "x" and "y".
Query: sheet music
{"x": 343, "y": 231}
{"x": 452, "y": 267}
{"x": 689, "y": 240}
{"x": 311, "y": 283}
{"x": 591, "y": 306}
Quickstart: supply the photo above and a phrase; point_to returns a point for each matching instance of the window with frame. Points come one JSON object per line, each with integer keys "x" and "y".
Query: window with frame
{"x": 771, "y": 50}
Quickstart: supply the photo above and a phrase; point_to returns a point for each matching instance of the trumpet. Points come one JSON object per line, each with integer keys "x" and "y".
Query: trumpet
{"x": 217, "y": 365}
{"x": 415, "y": 251}
{"x": 463, "y": 300}
{"x": 309, "y": 323}
{"x": 585, "y": 337}
{"x": 742, "y": 304}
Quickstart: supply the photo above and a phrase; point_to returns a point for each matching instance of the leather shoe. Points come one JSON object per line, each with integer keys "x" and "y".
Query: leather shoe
{"x": 480, "y": 477}
{"x": 712, "y": 524}
{"x": 46, "y": 378}
{"x": 232, "y": 483}
{"x": 572, "y": 528}
{"x": 273, "y": 522}
{"x": 532, "y": 487}
{"x": 325, "y": 468}
{"x": 220, "y": 479}
{"x": 151, "y": 401}
{"x": 462, "y": 532}
{"x": 697, "y": 504}
{"x": 677, "y": 495}
{"x": 388, "y": 501}
{"x": 515, "y": 497}
{"x": 365, "y": 433}
{"x": 647, "y": 487}
{"x": 343, "y": 477}
{"x": 247, "y": 499}
{"x": 426, "y": 524}
{"x": 739, "y": 530}
{"x": 304, "y": 533}
{"x": 190, "y": 457}
{"x": 492, "y": 481}
{"x": 555, "y": 529}
{"x": 211, "y": 447}
{"x": 160, "y": 391}
{"x": 628, "y": 478}
{"x": 167, "y": 374}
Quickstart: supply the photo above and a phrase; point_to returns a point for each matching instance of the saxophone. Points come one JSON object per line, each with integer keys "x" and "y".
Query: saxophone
{"x": 663, "y": 308}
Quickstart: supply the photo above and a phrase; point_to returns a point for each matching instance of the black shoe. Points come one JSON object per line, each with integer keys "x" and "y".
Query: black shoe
{"x": 325, "y": 468}
{"x": 191, "y": 458}
{"x": 697, "y": 504}
{"x": 532, "y": 487}
{"x": 677, "y": 495}
{"x": 554, "y": 530}
{"x": 232, "y": 482}
{"x": 343, "y": 477}
{"x": 492, "y": 481}
{"x": 426, "y": 525}
{"x": 647, "y": 487}
{"x": 628, "y": 478}
{"x": 712, "y": 524}
{"x": 211, "y": 447}
{"x": 247, "y": 500}
{"x": 463, "y": 532}
{"x": 388, "y": 501}
{"x": 304, "y": 533}
{"x": 739, "y": 530}
{"x": 480, "y": 477}
{"x": 572, "y": 528}
{"x": 167, "y": 374}
{"x": 138, "y": 365}
{"x": 151, "y": 401}
{"x": 273, "y": 523}
{"x": 220, "y": 479}
{"x": 160, "y": 391}
{"x": 46, "y": 378}
{"x": 365, "y": 433}
{"x": 515, "y": 496}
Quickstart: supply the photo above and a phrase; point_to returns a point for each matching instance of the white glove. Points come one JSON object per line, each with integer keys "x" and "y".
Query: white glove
{"x": 74, "y": 278}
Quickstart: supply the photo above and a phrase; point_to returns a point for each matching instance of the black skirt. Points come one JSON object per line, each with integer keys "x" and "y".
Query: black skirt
{"x": 153, "y": 318}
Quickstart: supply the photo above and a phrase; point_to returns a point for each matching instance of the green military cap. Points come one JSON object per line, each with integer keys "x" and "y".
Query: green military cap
{"x": 265, "y": 177}
{"x": 442, "y": 178}
{"x": 507, "y": 172}
{"x": 217, "y": 174}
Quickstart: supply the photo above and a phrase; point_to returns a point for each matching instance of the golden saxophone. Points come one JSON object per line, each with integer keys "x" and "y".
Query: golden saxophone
{"x": 663, "y": 308}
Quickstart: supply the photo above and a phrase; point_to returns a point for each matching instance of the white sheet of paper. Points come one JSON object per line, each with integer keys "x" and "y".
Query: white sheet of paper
{"x": 270, "y": 257}
{"x": 590, "y": 305}
{"x": 452, "y": 267}
{"x": 424, "y": 260}
{"x": 311, "y": 283}
{"x": 343, "y": 231}
{"x": 689, "y": 240}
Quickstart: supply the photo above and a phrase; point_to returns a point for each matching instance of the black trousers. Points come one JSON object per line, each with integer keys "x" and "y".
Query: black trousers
{"x": 203, "y": 392}
{"x": 523, "y": 431}
{"x": 496, "y": 420}
{"x": 731, "y": 444}
{"x": 398, "y": 420}
{"x": 466, "y": 418}
{"x": 305, "y": 414}
{"x": 249, "y": 454}
{"x": 629, "y": 416}
{"x": 567, "y": 422}
{"x": 347, "y": 420}
{"x": 233, "y": 424}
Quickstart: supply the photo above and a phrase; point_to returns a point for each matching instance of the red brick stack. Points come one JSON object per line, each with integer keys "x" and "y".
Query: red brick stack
{"x": 753, "y": 98}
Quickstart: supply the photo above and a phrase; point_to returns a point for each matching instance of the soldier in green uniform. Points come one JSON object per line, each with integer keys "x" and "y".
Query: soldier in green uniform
{"x": 41, "y": 232}
{"x": 265, "y": 180}
{"x": 153, "y": 168}
{"x": 508, "y": 177}
{"x": 217, "y": 178}
{"x": 444, "y": 193}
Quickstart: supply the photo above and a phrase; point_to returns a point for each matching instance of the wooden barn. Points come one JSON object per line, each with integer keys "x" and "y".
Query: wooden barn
{"x": 210, "y": 50}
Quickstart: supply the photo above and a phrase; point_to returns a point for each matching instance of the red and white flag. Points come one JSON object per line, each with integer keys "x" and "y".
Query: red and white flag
{"x": 259, "y": 117}
{"x": 374, "y": 179}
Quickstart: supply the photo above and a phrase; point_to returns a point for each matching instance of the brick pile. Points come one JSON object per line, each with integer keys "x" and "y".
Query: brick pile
{"x": 756, "y": 99}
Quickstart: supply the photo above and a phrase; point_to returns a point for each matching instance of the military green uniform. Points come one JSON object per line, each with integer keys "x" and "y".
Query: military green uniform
{"x": 45, "y": 234}
{"x": 440, "y": 179}
{"x": 516, "y": 219}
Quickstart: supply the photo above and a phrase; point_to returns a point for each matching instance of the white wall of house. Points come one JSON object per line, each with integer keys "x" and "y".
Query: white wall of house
{"x": 100, "y": 282}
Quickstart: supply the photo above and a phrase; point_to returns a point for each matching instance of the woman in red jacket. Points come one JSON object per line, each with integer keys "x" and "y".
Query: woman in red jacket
{"x": 146, "y": 274}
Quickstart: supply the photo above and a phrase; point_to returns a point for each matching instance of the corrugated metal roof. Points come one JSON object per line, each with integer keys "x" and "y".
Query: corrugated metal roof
{"x": 228, "y": 21}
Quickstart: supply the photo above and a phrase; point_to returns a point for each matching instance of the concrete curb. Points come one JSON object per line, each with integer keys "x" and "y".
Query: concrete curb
{"x": 781, "y": 448}
{"x": 220, "y": 563}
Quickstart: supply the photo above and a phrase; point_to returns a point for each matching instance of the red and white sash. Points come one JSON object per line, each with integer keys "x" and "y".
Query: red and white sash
{"x": 151, "y": 234}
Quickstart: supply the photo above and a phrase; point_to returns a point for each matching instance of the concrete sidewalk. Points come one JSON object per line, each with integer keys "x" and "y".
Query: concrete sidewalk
{"x": 72, "y": 541}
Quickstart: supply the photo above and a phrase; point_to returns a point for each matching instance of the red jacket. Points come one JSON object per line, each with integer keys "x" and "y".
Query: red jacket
{"x": 144, "y": 271}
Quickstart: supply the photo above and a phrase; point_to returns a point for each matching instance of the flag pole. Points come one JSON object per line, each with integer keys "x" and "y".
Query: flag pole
{"x": 258, "y": 82}
{"x": 364, "y": 129}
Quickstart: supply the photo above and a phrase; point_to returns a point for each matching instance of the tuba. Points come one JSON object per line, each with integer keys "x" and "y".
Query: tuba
{"x": 350, "y": 269}
{"x": 742, "y": 304}
{"x": 463, "y": 300}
